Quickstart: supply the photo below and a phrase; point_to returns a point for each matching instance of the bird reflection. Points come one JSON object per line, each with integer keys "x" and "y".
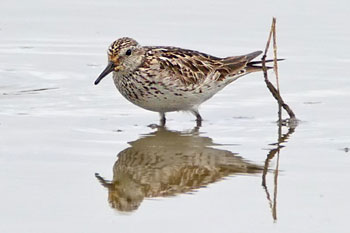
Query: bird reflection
{"x": 165, "y": 163}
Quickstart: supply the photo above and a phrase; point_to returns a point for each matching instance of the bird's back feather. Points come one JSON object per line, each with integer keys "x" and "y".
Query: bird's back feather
{"x": 192, "y": 67}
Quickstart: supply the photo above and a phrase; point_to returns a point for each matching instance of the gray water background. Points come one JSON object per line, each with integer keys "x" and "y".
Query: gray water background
{"x": 57, "y": 129}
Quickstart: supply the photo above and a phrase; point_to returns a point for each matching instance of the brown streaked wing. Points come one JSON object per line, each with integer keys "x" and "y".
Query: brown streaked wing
{"x": 191, "y": 67}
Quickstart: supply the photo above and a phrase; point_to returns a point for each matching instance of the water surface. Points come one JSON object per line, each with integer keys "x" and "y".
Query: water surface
{"x": 231, "y": 175}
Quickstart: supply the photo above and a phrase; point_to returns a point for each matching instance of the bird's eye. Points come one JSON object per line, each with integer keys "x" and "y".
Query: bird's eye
{"x": 128, "y": 52}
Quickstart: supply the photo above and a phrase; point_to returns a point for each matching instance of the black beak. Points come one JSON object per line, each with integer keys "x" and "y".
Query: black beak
{"x": 105, "y": 72}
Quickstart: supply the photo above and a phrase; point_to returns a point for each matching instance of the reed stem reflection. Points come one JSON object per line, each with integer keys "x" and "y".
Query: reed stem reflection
{"x": 282, "y": 138}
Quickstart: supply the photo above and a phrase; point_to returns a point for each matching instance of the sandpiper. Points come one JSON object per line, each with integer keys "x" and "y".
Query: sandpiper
{"x": 166, "y": 79}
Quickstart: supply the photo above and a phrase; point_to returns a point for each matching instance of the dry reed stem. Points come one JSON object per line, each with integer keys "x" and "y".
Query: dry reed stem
{"x": 275, "y": 92}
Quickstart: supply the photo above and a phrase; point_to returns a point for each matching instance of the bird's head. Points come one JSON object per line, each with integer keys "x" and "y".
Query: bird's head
{"x": 124, "y": 55}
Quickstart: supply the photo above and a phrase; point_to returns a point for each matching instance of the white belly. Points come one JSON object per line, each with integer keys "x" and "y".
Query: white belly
{"x": 162, "y": 99}
{"x": 167, "y": 96}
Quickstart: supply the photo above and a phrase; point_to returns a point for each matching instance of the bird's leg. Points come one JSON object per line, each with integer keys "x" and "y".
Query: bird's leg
{"x": 162, "y": 119}
{"x": 198, "y": 118}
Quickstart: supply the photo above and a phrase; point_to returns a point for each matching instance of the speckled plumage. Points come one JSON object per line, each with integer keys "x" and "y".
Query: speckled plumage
{"x": 156, "y": 166}
{"x": 166, "y": 79}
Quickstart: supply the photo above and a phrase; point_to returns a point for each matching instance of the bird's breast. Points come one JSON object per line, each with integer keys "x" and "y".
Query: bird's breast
{"x": 161, "y": 94}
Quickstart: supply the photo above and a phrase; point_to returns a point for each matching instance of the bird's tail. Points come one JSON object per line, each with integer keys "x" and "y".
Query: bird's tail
{"x": 254, "y": 66}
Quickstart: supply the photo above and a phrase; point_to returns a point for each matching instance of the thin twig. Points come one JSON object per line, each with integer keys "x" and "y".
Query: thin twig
{"x": 281, "y": 104}
{"x": 275, "y": 92}
{"x": 275, "y": 64}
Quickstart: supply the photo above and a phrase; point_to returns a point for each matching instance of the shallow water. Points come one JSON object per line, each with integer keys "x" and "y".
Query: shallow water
{"x": 57, "y": 129}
